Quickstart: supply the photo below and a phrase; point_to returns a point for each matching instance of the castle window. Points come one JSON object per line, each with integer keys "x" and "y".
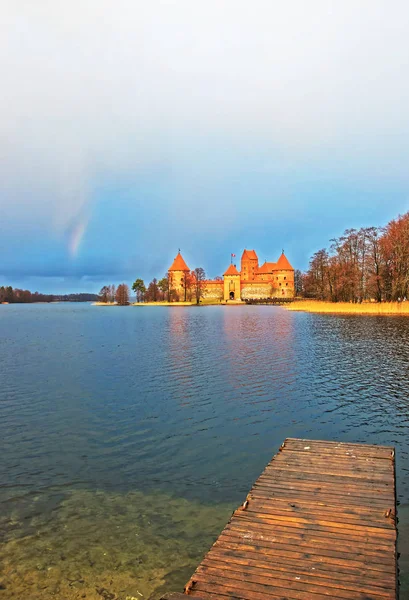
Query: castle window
{"x": 279, "y": 284}
{"x": 285, "y": 278}
{"x": 286, "y": 284}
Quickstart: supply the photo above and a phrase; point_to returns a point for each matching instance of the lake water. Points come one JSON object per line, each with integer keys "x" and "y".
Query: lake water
{"x": 129, "y": 435}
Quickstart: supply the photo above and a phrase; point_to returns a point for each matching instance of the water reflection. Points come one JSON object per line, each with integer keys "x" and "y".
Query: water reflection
{"x": 121, "y": 407}
{"x": 181, "y": 367}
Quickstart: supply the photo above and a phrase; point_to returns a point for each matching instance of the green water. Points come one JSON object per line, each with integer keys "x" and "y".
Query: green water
{"x": 97, "y": 544}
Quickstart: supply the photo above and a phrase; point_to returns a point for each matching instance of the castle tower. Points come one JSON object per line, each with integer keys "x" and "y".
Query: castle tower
{"x": 249, "y": 265}
{"x": 284, "y": 278}
{"x": 178, "y": 274}
{"x": 232, "y": 284}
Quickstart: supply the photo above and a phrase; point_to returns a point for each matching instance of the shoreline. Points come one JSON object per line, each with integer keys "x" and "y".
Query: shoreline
{"x": 230, "y": 303}
{"x": 366, "y": 308}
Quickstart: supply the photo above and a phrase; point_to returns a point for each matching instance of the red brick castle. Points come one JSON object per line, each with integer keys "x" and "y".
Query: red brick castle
{"x": 270, "y": 280}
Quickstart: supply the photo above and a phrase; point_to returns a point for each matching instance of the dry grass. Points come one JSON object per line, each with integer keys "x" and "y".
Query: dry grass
{"x": 104, "y": 304}
{"x": 366, "y": 308}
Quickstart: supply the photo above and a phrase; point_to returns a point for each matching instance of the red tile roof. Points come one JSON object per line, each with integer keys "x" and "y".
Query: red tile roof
{"x": 249, "y": 254}
{"x": 267, "y": 268}
{"x": 232, "y": 270}
{"x": 283, "y": 264}
{"x": 179, "y": 264}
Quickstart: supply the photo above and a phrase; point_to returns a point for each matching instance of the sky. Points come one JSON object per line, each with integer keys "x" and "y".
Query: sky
{"x": 130, "y": 129}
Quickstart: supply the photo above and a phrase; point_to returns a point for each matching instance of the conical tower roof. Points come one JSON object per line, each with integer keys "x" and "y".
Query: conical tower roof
{"x": 232, "y": 270}
{"x": 179, "y": 264}
{"x": 283, "y": 263}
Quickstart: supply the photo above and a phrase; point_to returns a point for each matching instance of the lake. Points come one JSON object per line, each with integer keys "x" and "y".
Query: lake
{"x": 128, "y": 435}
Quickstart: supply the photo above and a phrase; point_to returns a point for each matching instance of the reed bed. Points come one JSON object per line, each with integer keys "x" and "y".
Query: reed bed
{"x": 366, "y": 308}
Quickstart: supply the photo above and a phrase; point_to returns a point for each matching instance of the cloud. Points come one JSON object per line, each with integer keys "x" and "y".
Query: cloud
{"x": 202, "y": 100}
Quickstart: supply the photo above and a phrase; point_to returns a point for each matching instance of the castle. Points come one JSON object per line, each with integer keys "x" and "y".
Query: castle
{"x": 270, "y": 280}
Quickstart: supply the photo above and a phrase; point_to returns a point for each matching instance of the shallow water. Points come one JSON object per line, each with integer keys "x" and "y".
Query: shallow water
{"x": 128, "y": 435}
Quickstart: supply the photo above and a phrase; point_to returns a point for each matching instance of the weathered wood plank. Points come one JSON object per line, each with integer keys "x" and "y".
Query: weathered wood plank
{"x": 319, "y": 523}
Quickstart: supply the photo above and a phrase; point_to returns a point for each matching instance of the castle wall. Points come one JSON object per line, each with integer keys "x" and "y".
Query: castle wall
{"x": 256, "y": 289}
{"x": 213, "y": 290}
{"x": 284, "y": 284}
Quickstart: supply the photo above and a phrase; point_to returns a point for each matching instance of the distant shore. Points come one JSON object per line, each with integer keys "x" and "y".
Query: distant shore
{"x": 365, "y": 308}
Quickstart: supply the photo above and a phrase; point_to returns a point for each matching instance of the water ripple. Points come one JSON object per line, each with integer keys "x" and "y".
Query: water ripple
{"x": 191, "y": 402}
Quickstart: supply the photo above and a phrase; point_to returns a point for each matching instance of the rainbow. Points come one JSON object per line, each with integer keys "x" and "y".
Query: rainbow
{"x": 76, "y": 236}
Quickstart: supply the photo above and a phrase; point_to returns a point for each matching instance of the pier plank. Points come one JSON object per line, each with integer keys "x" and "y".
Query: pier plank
{"x": 319, "y": 523}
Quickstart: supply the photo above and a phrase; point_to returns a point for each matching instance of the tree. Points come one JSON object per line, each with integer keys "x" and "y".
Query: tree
{"x": 375, "y": 265}
{"x": 105, "y": 293}
{"x": 122, "y": 294}
{"x": 198, "y": 278}
{"x": 298, "y": 283}
{"x": 369, "y": 263}
{"x": 316, "y": 281}
{"x": 111, "y": 293}
{"x": 9, "y": 294}
{"x": 395, "y": 249}
{"x": 139, "y": 288}
{"x": 189, "y": 286}
{"x": 152, "y": 292}
{"x": 164, "y": 286}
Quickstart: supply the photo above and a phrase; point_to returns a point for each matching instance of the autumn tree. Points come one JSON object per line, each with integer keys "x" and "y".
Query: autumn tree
{"x": 316, "y": 280}
{"x": 152, "y": 293}
{"x": 369, "y": 263}
{"x": 198, "y": 278}
{"x": 105, "y": 293}
{"x": 395, "y": 250}
{"x": 189, "y": 286}
{"x": 122, "y": 294}
{"x": 139, "y": 288}
{"x": 9, "y": 294}
{"x": 375, "y": 265}
{"x": 344, "y": 274}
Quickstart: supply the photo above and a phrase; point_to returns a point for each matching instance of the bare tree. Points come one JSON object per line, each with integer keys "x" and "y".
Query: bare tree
{"x": 112, "y": 293}
{"x": 198, "y": 278}
{"x": 298, "y": 283}
{"x": 105, "y": 293}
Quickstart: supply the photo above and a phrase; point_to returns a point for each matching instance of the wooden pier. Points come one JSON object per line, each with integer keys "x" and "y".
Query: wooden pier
{"x": 318, "y": 523}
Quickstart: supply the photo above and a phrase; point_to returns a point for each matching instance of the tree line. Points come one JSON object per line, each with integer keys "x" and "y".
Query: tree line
{"x": 162, "y": 290}
{"x": 371, "y": 263}
{"x": 165, "y": 289}
{"x": 111, "y": 294}
{"x": 15, "y": 295}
